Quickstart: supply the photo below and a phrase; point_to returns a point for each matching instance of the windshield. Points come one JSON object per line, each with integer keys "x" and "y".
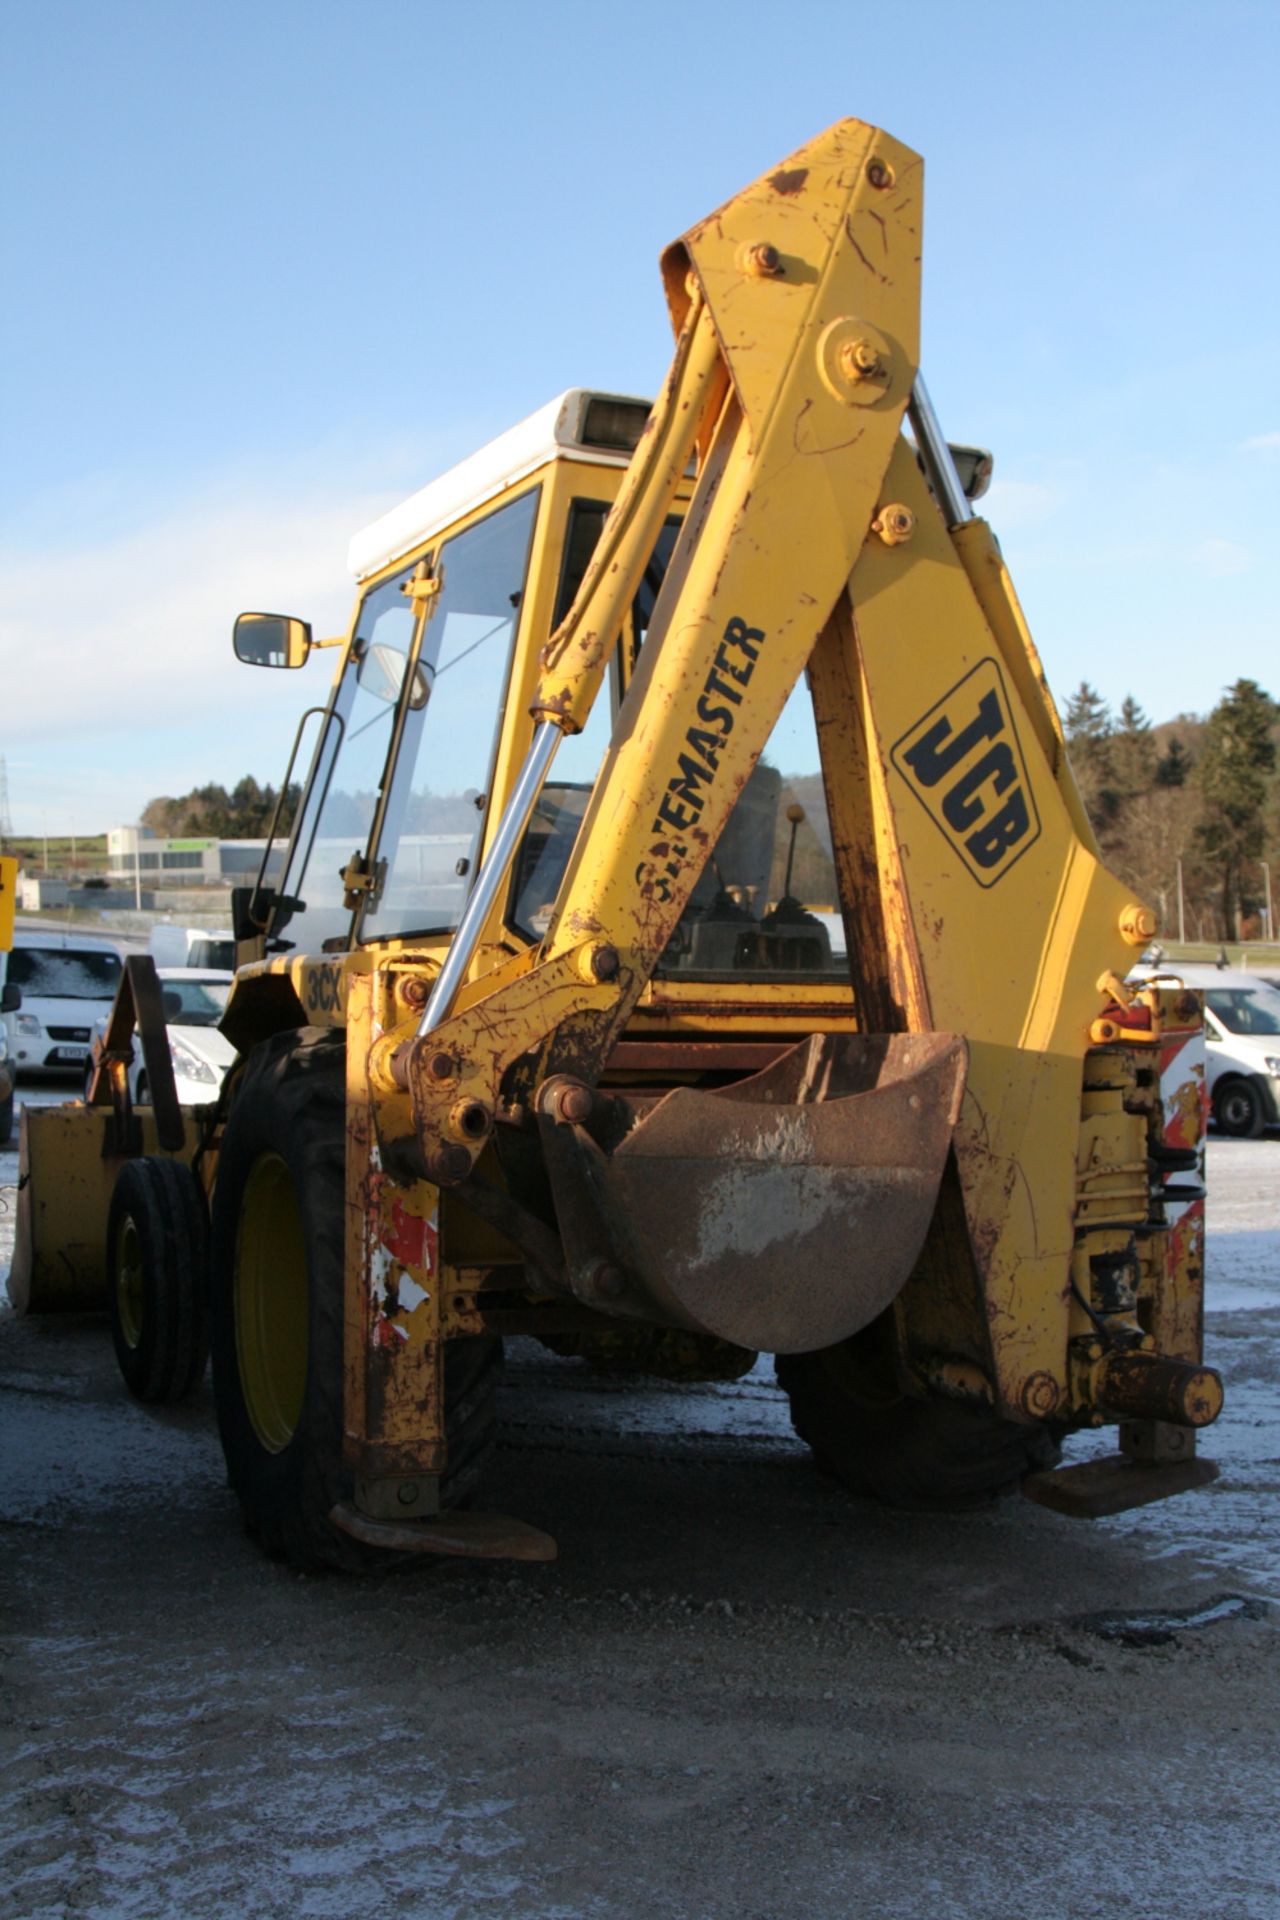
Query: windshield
{"x": 445, "y": 690}
{"x": 49, "y": 973}
{"x": 439, "y": 787}
{"x": 1246, "y": 1010}
{"x": 194, "y": 1003}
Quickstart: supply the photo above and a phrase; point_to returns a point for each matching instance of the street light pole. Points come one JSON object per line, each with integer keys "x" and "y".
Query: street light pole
{"x": 1182, "y": 916}
{"x": 1266, "y": 873}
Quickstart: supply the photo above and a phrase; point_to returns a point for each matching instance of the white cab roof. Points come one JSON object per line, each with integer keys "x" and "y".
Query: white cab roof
{"x": 554, "y": 430}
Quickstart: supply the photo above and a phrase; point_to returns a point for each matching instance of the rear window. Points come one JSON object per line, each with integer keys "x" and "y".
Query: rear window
{"x": 47, "y": 973}
{"x": 212, "y": 953}
{"x": 1247, "y": 1010}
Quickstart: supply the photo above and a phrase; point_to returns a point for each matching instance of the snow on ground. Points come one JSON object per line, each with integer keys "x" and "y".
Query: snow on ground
{"x": 114, "y": 1449}
{"x": 738, "y": 1695}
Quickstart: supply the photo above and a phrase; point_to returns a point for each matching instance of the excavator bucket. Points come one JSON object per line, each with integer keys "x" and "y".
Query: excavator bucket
{"x": 781, "y": 1213}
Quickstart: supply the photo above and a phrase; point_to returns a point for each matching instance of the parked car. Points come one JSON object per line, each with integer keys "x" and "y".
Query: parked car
{"x": 194, "y": 999}
{"x": 208, "y": 947}
{"x": 6, "y": 1088}
{"x": 67, "y": 982}
{"x": 1242, "y": 1042}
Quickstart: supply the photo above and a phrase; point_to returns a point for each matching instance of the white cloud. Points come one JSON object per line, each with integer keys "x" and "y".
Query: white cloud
{"x": 117, "y": 679}
{"x": 1261, "y": 443}
{"x": 136, "y": 631}
{"x": 1222, "y": 558}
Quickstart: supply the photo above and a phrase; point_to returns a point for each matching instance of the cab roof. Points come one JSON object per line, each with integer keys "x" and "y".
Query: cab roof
{"x": 601, "y": 429}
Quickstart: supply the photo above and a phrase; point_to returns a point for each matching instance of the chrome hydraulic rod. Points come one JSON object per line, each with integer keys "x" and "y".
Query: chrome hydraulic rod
{"x": 575, "y": 657}
{"x": 492, "y": 875}
{"x": 939, "y": 466}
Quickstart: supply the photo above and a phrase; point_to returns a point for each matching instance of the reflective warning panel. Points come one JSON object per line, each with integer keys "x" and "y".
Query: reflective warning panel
{"x": 964, "y": 763}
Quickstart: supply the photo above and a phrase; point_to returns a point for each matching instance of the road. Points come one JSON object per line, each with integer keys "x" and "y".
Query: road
{"x": 737, "y": 1693}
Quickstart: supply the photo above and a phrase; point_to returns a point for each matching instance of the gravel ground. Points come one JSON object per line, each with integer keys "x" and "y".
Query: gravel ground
{"x": 737, "y": 1693}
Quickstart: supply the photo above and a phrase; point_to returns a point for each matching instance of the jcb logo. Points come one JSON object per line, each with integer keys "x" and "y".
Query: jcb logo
{"x": 964, "y": 761}
{"x": 324, "y": 989}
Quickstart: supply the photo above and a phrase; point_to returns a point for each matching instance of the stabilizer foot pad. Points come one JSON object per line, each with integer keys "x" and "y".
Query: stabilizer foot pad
{"x": 463, "y": 1535}
{"x": 1092, "y": 1489}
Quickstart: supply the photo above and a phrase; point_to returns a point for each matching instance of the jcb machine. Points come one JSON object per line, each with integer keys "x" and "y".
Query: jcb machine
{"x": 690, "y": 943}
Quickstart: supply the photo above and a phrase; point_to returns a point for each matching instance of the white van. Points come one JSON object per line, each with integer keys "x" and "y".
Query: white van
{"x": 213, "y": 948}
{"x": 68, "y": 982}
{"x": 1242, "y": 1042}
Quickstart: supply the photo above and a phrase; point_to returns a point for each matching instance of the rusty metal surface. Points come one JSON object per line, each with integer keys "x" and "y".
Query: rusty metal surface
{"x": 1095, "y": 1488}
{"x": 463, "y": 1536}
{"x": 693, "y": 1056}
{"x": 393, "y": 1395}
{"x": 1149, "y": 1386}
{"x": 782, "y": 1213}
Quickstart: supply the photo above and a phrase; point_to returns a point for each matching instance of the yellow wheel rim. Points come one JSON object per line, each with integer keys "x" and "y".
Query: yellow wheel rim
{"x": 270, "y": 1297}
{"x": 129, "y": 1293}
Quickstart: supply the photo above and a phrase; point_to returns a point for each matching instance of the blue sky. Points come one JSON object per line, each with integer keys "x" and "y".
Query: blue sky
{"x": 271, "y": 266}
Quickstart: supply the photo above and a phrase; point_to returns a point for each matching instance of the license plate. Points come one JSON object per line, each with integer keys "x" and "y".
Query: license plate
{"x": 71, "y": 1054}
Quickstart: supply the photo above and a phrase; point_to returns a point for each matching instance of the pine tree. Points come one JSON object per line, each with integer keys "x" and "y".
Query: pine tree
{"x": 1133, "y": 752}
{"x": 1235, "y": 772}
{"x": 1089, "y": 732}
{"x": 1174, "y": 765}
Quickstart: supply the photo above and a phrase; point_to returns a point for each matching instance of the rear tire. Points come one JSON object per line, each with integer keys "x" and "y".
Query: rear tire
{"x": 158, "y": 1278}
{"x": 277, "y": 1312}
{"x": 934, "y": 1455}
{"x": 1237, "y": 1108}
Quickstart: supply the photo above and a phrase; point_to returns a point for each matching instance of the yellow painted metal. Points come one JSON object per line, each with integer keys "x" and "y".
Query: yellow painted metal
{"x": 270, "y": 1303}
{"x": 575, "y": 658}
{"x": 1011, "y": 953}
{"x": 65, "y": 1183}
{"x": 393, "y": 1401}
{"x": 8, "y": 899}
{"x": 983, "y": 562}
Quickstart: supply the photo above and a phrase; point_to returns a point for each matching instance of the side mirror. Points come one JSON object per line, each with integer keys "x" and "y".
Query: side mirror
{"x": 10, "y": 999}
{"x": 271, "y": 640}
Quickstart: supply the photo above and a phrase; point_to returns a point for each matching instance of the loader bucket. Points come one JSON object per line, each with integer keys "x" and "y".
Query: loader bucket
{"x": 67, "y": 1167}
{"x": 787, "y": 1211}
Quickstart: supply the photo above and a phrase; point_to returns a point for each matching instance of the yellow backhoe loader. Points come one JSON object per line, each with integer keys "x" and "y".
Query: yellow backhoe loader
{"x": 690, "y": 944}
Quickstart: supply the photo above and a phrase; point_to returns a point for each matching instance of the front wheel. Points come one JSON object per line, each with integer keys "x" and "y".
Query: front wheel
{"x": 1237, "y": 1108}
{"x": 157, "y": 1278}
{"x": 930, "y": 1455}
{"x": 277, "y": 1306}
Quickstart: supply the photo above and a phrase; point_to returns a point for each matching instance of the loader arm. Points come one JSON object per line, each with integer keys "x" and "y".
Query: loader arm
{"x": 796, "y": 308}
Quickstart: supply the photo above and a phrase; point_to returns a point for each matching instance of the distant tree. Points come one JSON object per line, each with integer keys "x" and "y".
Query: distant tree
{"x": 210, "y": 812}
{"x": 1133, "y": 751}
{"x": 158, "y": 815}
{"x": 1088, "y": 719}
{"x": 1174, "y": 765}
{"x": 1235, "y": 772}
{"x": 1089, "y": 731}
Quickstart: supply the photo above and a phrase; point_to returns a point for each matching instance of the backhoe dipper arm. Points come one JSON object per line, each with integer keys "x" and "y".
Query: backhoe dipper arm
{"x": 797, "y": 313}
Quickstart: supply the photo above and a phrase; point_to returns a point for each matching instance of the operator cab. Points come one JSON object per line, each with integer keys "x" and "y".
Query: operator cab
{"x": 461, "y": 585}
